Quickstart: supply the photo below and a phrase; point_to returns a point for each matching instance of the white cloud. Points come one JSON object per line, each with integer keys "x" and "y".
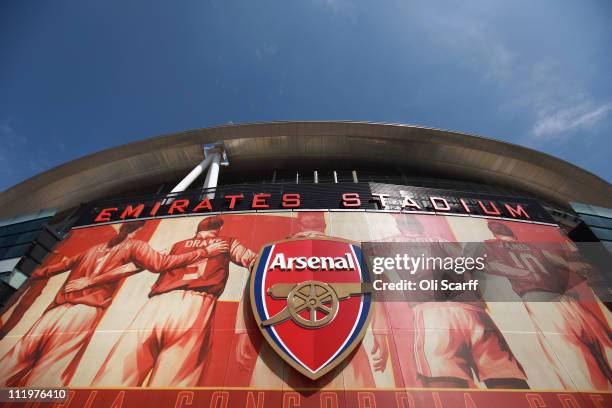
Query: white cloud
{"x": 560, "y": 123}
{"x": 536, "y": 85}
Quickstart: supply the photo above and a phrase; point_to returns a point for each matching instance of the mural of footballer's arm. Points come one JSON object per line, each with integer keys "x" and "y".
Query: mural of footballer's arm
{"x": 570, "y": 260}
{"x": 143, "y": 257}
{"x": 380, "y": 349}
{"x": 62, "y": 266}
{"x": 110, "y": 276}
{"x": 556, "y": 259}
{"x": 245, "y": 352}
{"x": 583, "y": 268}
{"x": 576, "y": 262}
{"x": 241, "y": 255}
{"x": 147, "y": 258}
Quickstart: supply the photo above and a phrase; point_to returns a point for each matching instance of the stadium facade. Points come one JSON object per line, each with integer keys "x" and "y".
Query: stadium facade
{"x": 194, "y": 269}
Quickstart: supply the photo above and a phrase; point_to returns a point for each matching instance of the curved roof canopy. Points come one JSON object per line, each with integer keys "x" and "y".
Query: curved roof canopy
{"x": 269, "y": 145}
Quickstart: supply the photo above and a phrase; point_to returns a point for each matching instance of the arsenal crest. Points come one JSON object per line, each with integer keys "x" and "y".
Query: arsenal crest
{"x": 312, "y": 301}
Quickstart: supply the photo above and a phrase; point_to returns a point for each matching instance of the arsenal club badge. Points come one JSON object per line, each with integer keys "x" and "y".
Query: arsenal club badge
{"x": 312, "y": 301}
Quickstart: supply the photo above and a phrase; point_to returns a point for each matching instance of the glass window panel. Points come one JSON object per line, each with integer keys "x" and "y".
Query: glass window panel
{"x": 602, "y": 212}
{"x": 14, "y": 251}
{"x": 595, "y": 221}
{"x": 11, "y": 240}
{"x": 602, "y": 233}
{"x": 23, "y": 227}
{"x": 581, "y": 208}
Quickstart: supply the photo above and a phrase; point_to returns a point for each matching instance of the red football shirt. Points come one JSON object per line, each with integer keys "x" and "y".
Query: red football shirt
{"x": 540, "y": 273}
{"x": 208, "y": 275}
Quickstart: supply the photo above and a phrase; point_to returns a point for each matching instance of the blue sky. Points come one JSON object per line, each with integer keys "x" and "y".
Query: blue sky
{"x": 78, "y": 76}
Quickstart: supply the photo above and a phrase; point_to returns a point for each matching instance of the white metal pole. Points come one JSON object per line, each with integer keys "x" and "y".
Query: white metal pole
{"x": 194, "y": 174}
{"x": 213, "y": 174}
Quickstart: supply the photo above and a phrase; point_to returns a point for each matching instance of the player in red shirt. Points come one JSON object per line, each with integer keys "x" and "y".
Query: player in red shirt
{"x": 456, "y": 336}
{"x": 167, "y": 342}
{"x": 543, "y": 276}
{"x": 49, "y": 353}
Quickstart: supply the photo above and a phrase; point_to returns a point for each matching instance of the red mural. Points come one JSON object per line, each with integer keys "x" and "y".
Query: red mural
{"x": 163, "y": 305}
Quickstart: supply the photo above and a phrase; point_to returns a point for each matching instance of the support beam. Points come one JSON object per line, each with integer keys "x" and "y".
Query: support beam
{"x": 193, "y": 175}
{"x": 214, "y": 157}
{"x": 212, "y": 177}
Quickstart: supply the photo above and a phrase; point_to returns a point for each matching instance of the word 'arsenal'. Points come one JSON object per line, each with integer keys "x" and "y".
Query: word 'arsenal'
{"x": 313, "y": 263}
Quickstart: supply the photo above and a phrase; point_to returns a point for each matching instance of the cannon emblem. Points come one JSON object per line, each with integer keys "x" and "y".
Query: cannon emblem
{"x": 312, "y": 297}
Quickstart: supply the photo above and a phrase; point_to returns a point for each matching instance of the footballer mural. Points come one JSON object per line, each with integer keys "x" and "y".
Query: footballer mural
{"x": 165, "y": 305}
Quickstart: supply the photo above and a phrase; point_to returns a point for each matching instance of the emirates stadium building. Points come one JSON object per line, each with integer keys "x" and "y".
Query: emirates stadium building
{"x": 266, "y": 265}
